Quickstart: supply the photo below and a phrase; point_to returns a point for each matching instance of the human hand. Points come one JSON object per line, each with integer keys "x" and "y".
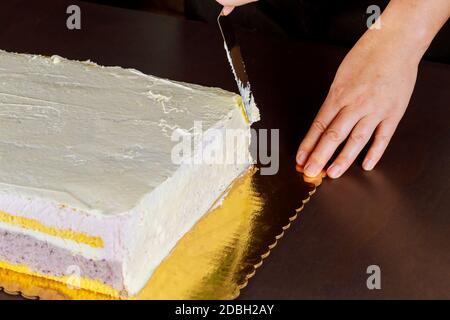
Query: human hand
{"x": 228, "y": 5}
{"x": 368, "y": 96}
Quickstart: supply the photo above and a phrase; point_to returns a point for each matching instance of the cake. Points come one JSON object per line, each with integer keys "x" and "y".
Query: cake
{"x": 88, "y": 182}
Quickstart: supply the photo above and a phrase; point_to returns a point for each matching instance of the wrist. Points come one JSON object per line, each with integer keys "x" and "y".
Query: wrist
{"x": 410, "y": 26}
{"x": 405, "y": 42}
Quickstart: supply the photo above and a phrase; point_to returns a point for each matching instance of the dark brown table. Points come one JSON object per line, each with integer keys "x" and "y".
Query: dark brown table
{"x": 396, "y": 217}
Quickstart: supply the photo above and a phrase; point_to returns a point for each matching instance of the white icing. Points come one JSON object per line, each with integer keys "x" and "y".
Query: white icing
{"x": 98, "y": 135}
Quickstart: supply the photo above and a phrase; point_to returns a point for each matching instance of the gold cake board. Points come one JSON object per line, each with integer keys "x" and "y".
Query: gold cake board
{"x": 215, "y": 259}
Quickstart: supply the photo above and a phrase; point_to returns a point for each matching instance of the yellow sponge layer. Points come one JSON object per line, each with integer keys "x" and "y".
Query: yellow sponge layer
{"x": 17, "y": 278}
{"x": 31, "y": 224}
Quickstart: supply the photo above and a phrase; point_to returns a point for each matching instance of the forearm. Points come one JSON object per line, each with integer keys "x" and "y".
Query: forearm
{"x": 413, "y": 24}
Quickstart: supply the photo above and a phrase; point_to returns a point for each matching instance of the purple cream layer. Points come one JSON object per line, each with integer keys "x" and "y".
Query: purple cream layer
{"x": 47, "y": 259}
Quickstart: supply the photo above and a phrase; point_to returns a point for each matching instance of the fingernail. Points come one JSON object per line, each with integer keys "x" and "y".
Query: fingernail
{"x": 302, "y": 157}
{"x": 334, "y": 171}
{"x": 311, "y": 169}
{"x": 368, "y": 165}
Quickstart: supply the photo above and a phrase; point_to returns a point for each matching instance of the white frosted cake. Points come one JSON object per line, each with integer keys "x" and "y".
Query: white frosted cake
{"x": 88, "y": 185}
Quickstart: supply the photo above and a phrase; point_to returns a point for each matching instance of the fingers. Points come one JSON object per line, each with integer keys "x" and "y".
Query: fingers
{"x": 326, "y": 114}
{"x": 227, "y": 10}
{"x": 383, "y": 135}
{"x": 358, "y": 138}
{"x": 338, "y": 131}
{"x": 332, "y": 137}
{"x": 333, "y": 125}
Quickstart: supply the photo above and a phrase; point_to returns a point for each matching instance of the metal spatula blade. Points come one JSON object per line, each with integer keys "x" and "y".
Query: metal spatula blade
{"x": 234, "y": 56}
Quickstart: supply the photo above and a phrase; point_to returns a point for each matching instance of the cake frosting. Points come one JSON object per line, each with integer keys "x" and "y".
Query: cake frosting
{"x": 86, "y": 171}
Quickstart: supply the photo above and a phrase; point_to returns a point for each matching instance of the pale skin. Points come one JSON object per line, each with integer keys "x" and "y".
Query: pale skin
{"x": 371, "y": 89}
